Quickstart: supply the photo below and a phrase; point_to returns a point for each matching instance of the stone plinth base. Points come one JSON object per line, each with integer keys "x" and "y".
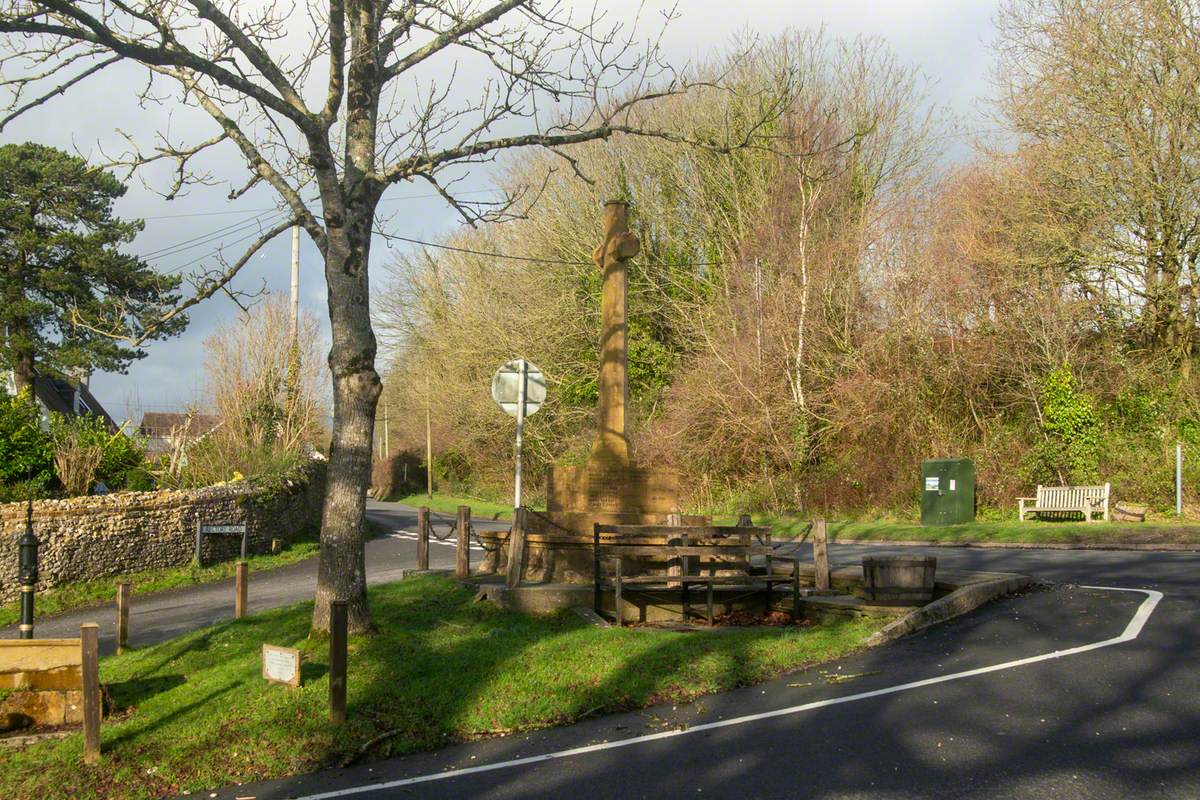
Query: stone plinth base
{"x": 612, "y": 490}
{"x": 558, "y": 544}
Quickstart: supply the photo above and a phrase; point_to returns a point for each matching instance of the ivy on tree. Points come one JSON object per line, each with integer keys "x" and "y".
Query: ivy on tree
{"x": 62, "y": 271}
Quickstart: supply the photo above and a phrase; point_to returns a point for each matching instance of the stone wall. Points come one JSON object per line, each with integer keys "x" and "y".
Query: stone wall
{"x": 83, "y": 538}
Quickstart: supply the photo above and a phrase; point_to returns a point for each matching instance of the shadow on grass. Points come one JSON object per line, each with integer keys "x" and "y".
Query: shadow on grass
{"x": 131, "y": 693}
{"x": 130, "y": 733}
{"x": 452, "y": 670}
{"x": 310, "y": 671}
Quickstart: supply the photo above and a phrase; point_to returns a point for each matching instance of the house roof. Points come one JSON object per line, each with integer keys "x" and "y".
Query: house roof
{"x": 58, "y": 395}
{"x": 160, "y": 423}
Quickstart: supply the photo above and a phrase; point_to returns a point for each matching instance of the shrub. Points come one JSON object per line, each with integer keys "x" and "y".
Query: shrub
{"x": 26, "y": 451}
{"x": 1071, "y": 450}
{"x": 84, "y": 442}
{"x": 76, "y": 458}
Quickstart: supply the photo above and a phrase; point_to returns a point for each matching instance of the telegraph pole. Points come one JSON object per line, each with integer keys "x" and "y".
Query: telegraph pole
{"x": 295, "y": 282}
{"x": 293, "y": 365}
{"x": 387, "y": 448}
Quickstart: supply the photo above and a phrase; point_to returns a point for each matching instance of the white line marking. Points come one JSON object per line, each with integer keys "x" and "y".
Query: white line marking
{"x": 413, "y": 537}
{"x": 1131, "y": 632}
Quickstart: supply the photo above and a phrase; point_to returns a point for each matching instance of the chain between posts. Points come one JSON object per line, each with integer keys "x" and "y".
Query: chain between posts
{"x": 471, "y": 534}
{"x": 475, "y": 535}
{"x": 433, "y": 530}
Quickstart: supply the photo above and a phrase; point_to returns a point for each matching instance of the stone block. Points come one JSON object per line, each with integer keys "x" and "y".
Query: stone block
{"x": 32, "y": 655}
{"x": 629, "y": 490}
{"x": 24, "y": 709}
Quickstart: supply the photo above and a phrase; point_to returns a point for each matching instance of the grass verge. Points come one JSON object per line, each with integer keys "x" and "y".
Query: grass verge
{"x": 448, "y": 504}
{"x": 194, "y": 713}
{"x": 70, "y": 596}
{"x": 999, "y": 532}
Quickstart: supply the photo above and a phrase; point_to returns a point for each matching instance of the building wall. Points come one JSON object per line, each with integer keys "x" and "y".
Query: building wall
{"x": 84, "y": 538}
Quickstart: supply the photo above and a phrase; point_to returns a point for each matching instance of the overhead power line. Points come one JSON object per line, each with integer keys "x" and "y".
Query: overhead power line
{"x": 400, "y": 198}
{"x": 533, "y": 259}
{"x": 206, "y": 238}
{"x": 253, "y": 226}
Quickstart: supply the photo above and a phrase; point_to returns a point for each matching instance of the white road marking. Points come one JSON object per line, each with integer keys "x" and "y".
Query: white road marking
{"x": 1131, "y": 632}
{"x": 433, "y": 540}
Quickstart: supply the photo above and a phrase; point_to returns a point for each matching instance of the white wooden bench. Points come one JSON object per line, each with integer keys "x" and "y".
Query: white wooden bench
{"x": 1086, "y": 500}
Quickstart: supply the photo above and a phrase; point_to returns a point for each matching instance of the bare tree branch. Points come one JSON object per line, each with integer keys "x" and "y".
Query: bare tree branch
{"x": 210, "y": 285}
{"x": 58, "y": 90}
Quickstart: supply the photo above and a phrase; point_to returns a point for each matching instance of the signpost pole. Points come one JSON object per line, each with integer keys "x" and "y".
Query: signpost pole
{"x": 521, "y": 375}
{"x": 428, "y": 442}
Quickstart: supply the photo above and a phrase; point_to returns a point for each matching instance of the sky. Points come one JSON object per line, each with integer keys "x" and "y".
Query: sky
{"x": 948, "y": 40}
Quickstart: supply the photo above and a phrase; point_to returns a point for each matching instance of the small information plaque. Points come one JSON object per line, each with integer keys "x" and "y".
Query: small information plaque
{"x": 281, "y": 664}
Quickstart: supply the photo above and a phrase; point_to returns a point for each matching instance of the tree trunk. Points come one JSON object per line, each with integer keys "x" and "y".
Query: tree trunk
{"x": 23, "y": 371}
{"x": 349, "y": 208}
{"x": 341, "y": 572}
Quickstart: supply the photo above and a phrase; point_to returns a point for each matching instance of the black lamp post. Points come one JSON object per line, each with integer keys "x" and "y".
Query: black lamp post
{"x": 28, "y": 560}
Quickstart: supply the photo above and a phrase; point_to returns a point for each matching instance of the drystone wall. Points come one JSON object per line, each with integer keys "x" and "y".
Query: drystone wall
{"x": 83, "y": 538}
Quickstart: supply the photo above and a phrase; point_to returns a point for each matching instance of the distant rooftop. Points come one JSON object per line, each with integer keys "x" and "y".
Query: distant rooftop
{"x": 165, "y": 423}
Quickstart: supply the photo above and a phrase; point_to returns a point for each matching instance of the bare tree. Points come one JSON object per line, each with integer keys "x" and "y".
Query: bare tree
{"x": 368, "y": 99}
{"x": 1103, "y": 94}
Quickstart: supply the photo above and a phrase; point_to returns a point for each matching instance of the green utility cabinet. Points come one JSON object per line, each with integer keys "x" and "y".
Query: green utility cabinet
{"x": 947, "y": 491}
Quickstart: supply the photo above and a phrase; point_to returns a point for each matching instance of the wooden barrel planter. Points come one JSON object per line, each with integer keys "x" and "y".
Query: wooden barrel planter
{"x": 899, "y": 580}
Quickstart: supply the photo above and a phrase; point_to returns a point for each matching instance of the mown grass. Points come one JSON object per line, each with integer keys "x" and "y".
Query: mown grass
{"x": 997, "y": 531}
{"x": 196, "y": 714}
{"x": 70, "y": 596}
{"x": 448, "y": 504}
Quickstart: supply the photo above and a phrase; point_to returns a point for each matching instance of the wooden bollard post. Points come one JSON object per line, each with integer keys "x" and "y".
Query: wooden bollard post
{"x": 240, "y": 587}
{"x": 122, "y": 617}
{"x": 89, "y": 637}
{"x": 423, "y": 538}
{"x": 675, "y": 565}
{"x": 821, "y": 577}
{"x": 462, "y": 563}
{"x": 337, "y": 662}
{"x": 516, "y": 550}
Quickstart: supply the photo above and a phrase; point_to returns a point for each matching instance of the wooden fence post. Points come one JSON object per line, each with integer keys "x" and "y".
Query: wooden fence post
{"x": 239, "y": 603}
{"x": 423, "y": 538}
{"x": 516, "y": 549}
{"x": 89, "y": 634}
{"x": 122, "y": 617}
{"x": 462, "y": 564}
{"x": 821, "y": 577}
{"x": 675, "y": 565}
{"x": 337, "y": 662}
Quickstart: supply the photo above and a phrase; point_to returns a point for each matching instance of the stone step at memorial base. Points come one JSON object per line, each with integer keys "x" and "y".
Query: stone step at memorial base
{"x": 664, "y": 607}
{"x": 822, "y": 607}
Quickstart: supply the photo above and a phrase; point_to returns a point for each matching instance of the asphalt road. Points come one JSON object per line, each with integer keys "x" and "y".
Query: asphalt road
{"x": 156, "y": 618}
{"x": 1118, "y": 718}
{"x": 1066, "y": 692}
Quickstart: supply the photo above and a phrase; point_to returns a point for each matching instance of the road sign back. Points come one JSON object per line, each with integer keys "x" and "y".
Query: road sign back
{"x": 506, "y": 387}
